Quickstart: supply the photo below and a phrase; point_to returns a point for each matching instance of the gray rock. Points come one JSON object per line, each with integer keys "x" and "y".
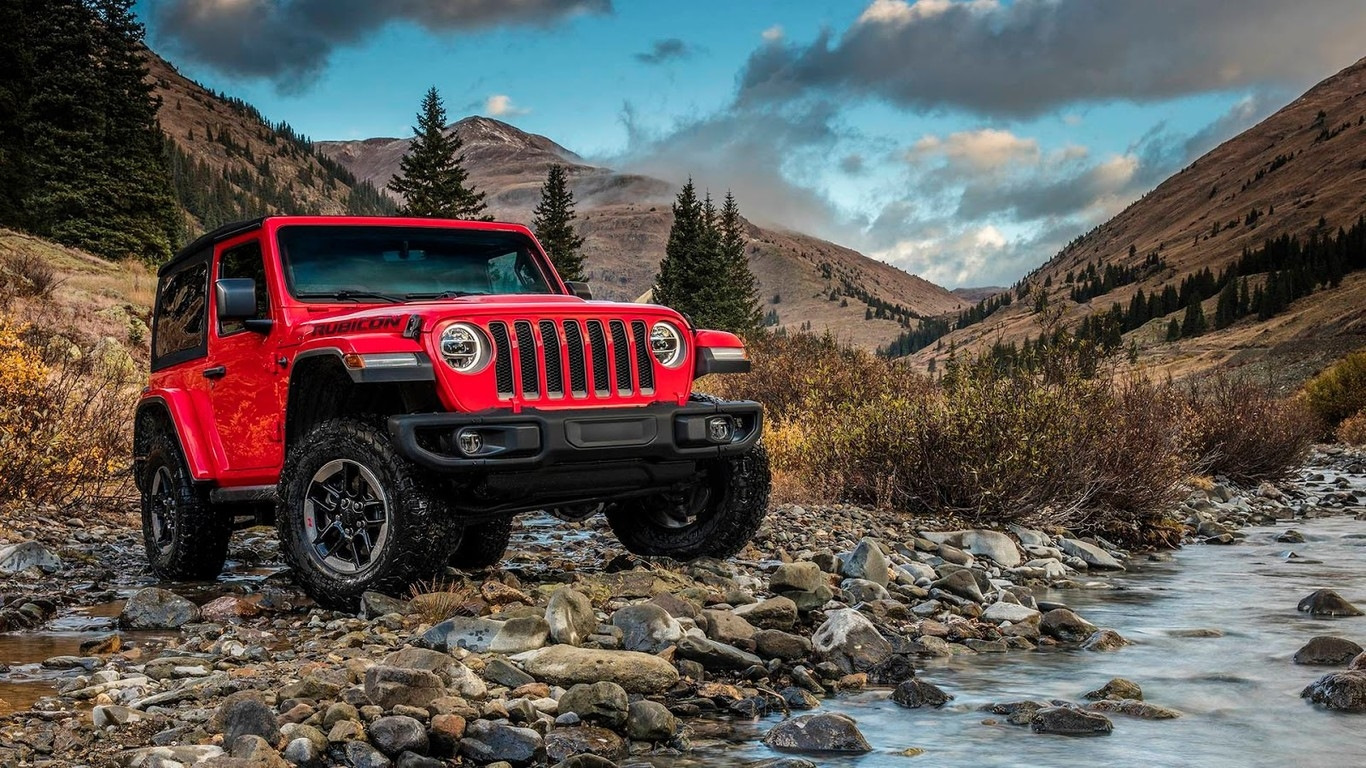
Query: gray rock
{"x": 569, "y": 615}
{"x": 603, "y": 703}
{"x": 502, "y": 672}
{"x": 650, "y": 721}
{"x": 566, "y": 665}
{"x": 963, "y": 584}
{"x": 951, "y": 554}
{"x": 454, "y": 675}
{"x": 1290, "y": 536}
{"x": 1117, "y": 688}
{"x": 1062, "y": 624}
{"x": 155, "y": 608}
{"x": 520, "y": 634}
{"x": 1328, "y": 651}
{"x": 1070, "y": 721}
{"x": 1000, "y": 612}
{"x": 359, "y": 754}
{"x": 995, "y": 545}
{"x": 863, "y": 591}
{"x": 773, "y": 613}
{"x": 1133, "y": 708}
{"x": 586, "y": 761}
{"x": 799, "y": 698}
{"x": 1341, "y": 691}
{"x": 396, "y": 734}
{"x": 105, "y": 715}
{"x": 388, "y": 687}
{"x": 776, "y": 644}
{"x": 1104, "y": 640}
{"x": 818, "y": 733}
{"x": 376, "y": 604}
{"x": 796, "y": 577}
{"x": 565, "y": 743}
{"x": 1326, "y": 602}
{"x": 1093, "y": 556}
{"x": 20, "y": 557}
{"x": 414, "y": 760}
{"x": 726, "y": 627}
{"x": 851, "y": 641}
{"x": 646, "y": 627}
{"x": 716, "y": 656}
{"x": 866, "y": 562}
{"x": 245, "y": 714}
{"x": 462, "y": 632}
{"x": 783, "y": 762}
{"x": 302, "y": 752}
{"x": 914, "y": 694}
{"x": 488, "y": 741}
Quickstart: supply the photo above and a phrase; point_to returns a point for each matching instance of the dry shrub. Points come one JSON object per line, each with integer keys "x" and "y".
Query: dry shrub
{"x": 64, "y": 427}
{"x": 1242, "y": 430}
{"x": 1352, "y": 430}
{"x": 1339, "y": 391}
{"x": 27, "y": 275}
{"x": 435, "y": 601}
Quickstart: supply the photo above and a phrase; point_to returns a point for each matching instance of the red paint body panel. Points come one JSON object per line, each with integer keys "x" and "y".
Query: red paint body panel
{"x": 232, "y": 427}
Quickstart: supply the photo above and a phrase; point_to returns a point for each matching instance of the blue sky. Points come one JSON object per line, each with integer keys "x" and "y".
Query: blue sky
{"x": 964, "y": 140}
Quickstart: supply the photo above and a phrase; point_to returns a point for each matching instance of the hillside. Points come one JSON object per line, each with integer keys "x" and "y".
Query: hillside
{"x": 625, "y": 219}
{"x": 1301, "y": 172}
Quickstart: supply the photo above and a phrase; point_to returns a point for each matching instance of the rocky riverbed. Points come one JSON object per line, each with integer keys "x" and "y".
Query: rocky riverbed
{"x": 840, "y": 632}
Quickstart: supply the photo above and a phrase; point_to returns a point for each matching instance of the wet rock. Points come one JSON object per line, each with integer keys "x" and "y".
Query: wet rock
{"x": 17, "y": 558}
{"x": 1133, "y": 708}
{"x": 823, "y": 732}
{"x": 564, "y": 743}
{"x": 100, "y": 646}
{"x": 604, "y": 703}
{"x": 963, "y": 584}
{"x": 569, "y": 614}
{"x": 894, "y": 670}
{"x": 396, "y": 734}
{"x": 566, "y": 665}
{"x": 650, "y": 721}
{"x": 1358, "y": 663}
{"x": 1104, "y": 640}
{"x": 359, "y": 754}
{"x": 782, "y": 762}
{"x": 1341, "y": 691}
{"x": 1290, "y": 536}
{"x": 1093, "y": 556}
{"x": 585, "y": 761}
{"x": 716, "y": 656}
{"x": 1070, "y": 721}
{"x": 851, "y": 641}
{"x": 1326, "y": 602}
{"x": 414, "y": 760}
{"x": 1327, "y": 650}
{"x": 646, "y": 627}
{"x": 914, "y": 694}
{"x": 1117, "y": 688}
{"x": 245, "y": 713}
{"x": 155, "y": 608}
{"x": 776, "y": 644}
{"x": 1017, "y": 712}
{"x": 375, "y": 604}
{"x": 1062, "y": 624}
{"x": 799, "y": 699}
{"x": 488, "y": 741}
{"x": 866, "y": 562}
{"x": 773, "y": 613}
{"x": 388, "y": 687}
{"x": 228, "y": 608}
{"x": 1001, "y": 612}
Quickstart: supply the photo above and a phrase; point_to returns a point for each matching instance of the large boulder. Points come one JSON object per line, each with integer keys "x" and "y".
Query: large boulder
{"x": 1342, "y": 691}
{"x": 1134, "y": 708}
{"x": 866, "y": 562}
{"x": 1070, "y": 721}
{"x": 454, "y": 675}
{"x": 914, "y": 694}
{"x": 245, "y": 714}
{"x": 156, "y": 608}
{"x": 603, "y": 703}
{"x": 1326, "y": 602}
{"x": 650, "y": 721}
{"x": 569, "y": 615}
{"x": 1066, "y": 626}
{"x": 488, "y": 741}
{"x": 1093, "y": 556}
{"x": 20, "y": 557}
{"x": 995, "y": 545}
{"x": 646, "y": 627}
{"x": 850, "y": 640}
{"x": 1001, "y": 612}
{"x": 389, "y": 687}
{"x": 818, "y": 733}
{"x": 961, "y": 583}
{"x": 566, "y": 665}
{"x": 1327, "y": 651}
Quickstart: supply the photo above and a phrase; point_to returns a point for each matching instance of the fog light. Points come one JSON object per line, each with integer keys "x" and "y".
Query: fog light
{"x": 470, "y": 442}
{"x": 720, "y": 429}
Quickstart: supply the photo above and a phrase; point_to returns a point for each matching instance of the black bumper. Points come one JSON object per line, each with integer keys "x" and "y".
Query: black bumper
{"x": 658, "y": 432}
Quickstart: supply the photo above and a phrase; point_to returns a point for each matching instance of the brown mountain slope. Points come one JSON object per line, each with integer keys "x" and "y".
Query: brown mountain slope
{"x": 1303, "y": 165}
{"x": 625, "y": 219}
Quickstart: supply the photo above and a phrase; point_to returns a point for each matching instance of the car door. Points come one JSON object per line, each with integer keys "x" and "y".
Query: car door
{"x": 244, "y": 379}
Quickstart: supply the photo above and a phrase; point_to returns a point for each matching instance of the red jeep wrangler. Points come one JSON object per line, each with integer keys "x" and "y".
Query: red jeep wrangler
{"x": 392, "y": 391}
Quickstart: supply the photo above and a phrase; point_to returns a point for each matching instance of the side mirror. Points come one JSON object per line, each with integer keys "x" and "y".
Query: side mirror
{"x": 580, "y": 289}
{"x": 236, "y": 299}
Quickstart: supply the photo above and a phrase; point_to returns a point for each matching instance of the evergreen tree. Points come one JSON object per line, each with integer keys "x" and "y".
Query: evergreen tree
{"x": 1226, "y": 311}
{"x": 432, "y": 176}
{"x": 692, "y": 273}
{"x": 1173, "y": 330}
{"x": 554, "y": 225}
{"x": 1194, "y": 323}
{"x": 740, "y": 289}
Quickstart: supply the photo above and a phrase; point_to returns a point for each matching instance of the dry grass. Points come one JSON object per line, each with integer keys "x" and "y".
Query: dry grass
{"x": 436, "y": 600}
{"x": 1352, "y": 430}
{"x": 1339, "y": 391}
{"x": 1240, "y": 429}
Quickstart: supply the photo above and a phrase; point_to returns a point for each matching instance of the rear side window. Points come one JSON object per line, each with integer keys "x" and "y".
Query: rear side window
{"x": 245, "y": 261}
{"x": 178, "y": 332}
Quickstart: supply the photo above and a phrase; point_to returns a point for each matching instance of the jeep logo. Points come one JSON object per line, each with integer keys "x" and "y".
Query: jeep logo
{"x": 362, "y": 325}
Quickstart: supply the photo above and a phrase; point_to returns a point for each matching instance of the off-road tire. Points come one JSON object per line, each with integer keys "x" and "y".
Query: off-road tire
{"x": 420, "y": 533}
{"x": 197, "y": 543}
{"x": 731, "y": 517}
{"x": 481, "y": 545}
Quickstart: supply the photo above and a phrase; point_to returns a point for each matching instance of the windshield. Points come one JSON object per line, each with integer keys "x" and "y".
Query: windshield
{"x": 402, "y": 263}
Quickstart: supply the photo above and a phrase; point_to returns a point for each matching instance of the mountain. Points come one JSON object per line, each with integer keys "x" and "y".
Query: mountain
{"x": 1299, "y": 173}
{"x": 625, "y": 218}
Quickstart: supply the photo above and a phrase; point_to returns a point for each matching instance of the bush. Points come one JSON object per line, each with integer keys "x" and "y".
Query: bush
{"x": 27, "y": 275}
{"x": 1339, "y": 391}
{"x": 1242, "y": 430}
{"x": 1352, "y": 430}
{"x": 64, "y": 427}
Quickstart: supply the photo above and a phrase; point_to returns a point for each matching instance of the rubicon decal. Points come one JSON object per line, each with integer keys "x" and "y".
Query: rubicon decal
{"x": 360, "y": 325}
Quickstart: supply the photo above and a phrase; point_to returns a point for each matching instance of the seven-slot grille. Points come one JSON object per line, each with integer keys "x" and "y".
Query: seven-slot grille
{"x": 572, "y": 358}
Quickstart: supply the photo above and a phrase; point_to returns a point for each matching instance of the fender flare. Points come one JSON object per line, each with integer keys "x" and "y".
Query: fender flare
{"x": 183, "y": 419}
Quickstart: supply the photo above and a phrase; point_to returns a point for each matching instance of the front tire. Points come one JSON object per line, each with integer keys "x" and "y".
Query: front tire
{"x": 716, "y": 518}
{"x": 481, "y": 545}
{"x": 355, "y": 516}
{"x": 185, "y": 536}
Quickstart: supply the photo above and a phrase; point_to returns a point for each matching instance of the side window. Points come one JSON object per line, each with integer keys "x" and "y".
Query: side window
{"x": 181, "y": 313}
{"x": 245, "y": 261}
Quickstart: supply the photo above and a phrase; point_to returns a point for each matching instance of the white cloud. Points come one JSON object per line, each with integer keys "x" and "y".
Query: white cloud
{"x": 500, "y": 105}
{"x": 899, "y": 12}
{"x": 773, "y": 34}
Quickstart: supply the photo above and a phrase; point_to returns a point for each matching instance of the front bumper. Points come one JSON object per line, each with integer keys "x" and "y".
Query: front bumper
{"x": 658, "y": 432}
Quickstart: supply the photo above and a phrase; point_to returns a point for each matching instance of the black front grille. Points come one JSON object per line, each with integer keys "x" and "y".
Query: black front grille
{"x": 597, "y": 341}
{"x": 578, "y": 370}
{"x": 526, "y": 350}
{"x": 599, "y": 358}
{"x": 621, "y": 351}
{"x": 644, "y": 367}
{"x": 502, "y": 358}
{"x": 554, "y": 370}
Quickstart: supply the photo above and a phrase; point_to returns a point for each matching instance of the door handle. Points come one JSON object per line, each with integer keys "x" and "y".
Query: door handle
{"x": 216, "y": 372}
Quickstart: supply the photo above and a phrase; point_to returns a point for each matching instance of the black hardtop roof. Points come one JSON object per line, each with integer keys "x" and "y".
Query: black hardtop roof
{"x": 209, "y": 239}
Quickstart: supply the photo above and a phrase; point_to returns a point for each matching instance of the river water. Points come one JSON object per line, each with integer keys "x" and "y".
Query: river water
{"x": 1239, "y": 692}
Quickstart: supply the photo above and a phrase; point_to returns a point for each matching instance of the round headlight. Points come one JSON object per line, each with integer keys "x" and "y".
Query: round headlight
{"x": 464, "y": 348}
{"x": 666, "y": 344}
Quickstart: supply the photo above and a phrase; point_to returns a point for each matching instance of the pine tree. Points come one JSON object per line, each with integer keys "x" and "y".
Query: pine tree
{"x": 1194, "y": 323}
{"x": 739, "y": 289}
{"x": 432, "y": 177}
{"x": 678, "y": 281}
{"x": 554, "y": 225}
{"x": 1226, "y": 311}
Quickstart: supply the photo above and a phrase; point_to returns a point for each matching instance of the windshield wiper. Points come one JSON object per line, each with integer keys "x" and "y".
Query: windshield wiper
{"x": 348, "y": 295}
{"x": 443, "y": 295}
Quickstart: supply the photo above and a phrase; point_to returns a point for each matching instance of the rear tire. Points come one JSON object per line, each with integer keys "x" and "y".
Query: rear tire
{"x": 185, "y": 536}
{"x": 355, "y": 516}
{"x": 481, "y": 545}
{"x": 717, "y": 518}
